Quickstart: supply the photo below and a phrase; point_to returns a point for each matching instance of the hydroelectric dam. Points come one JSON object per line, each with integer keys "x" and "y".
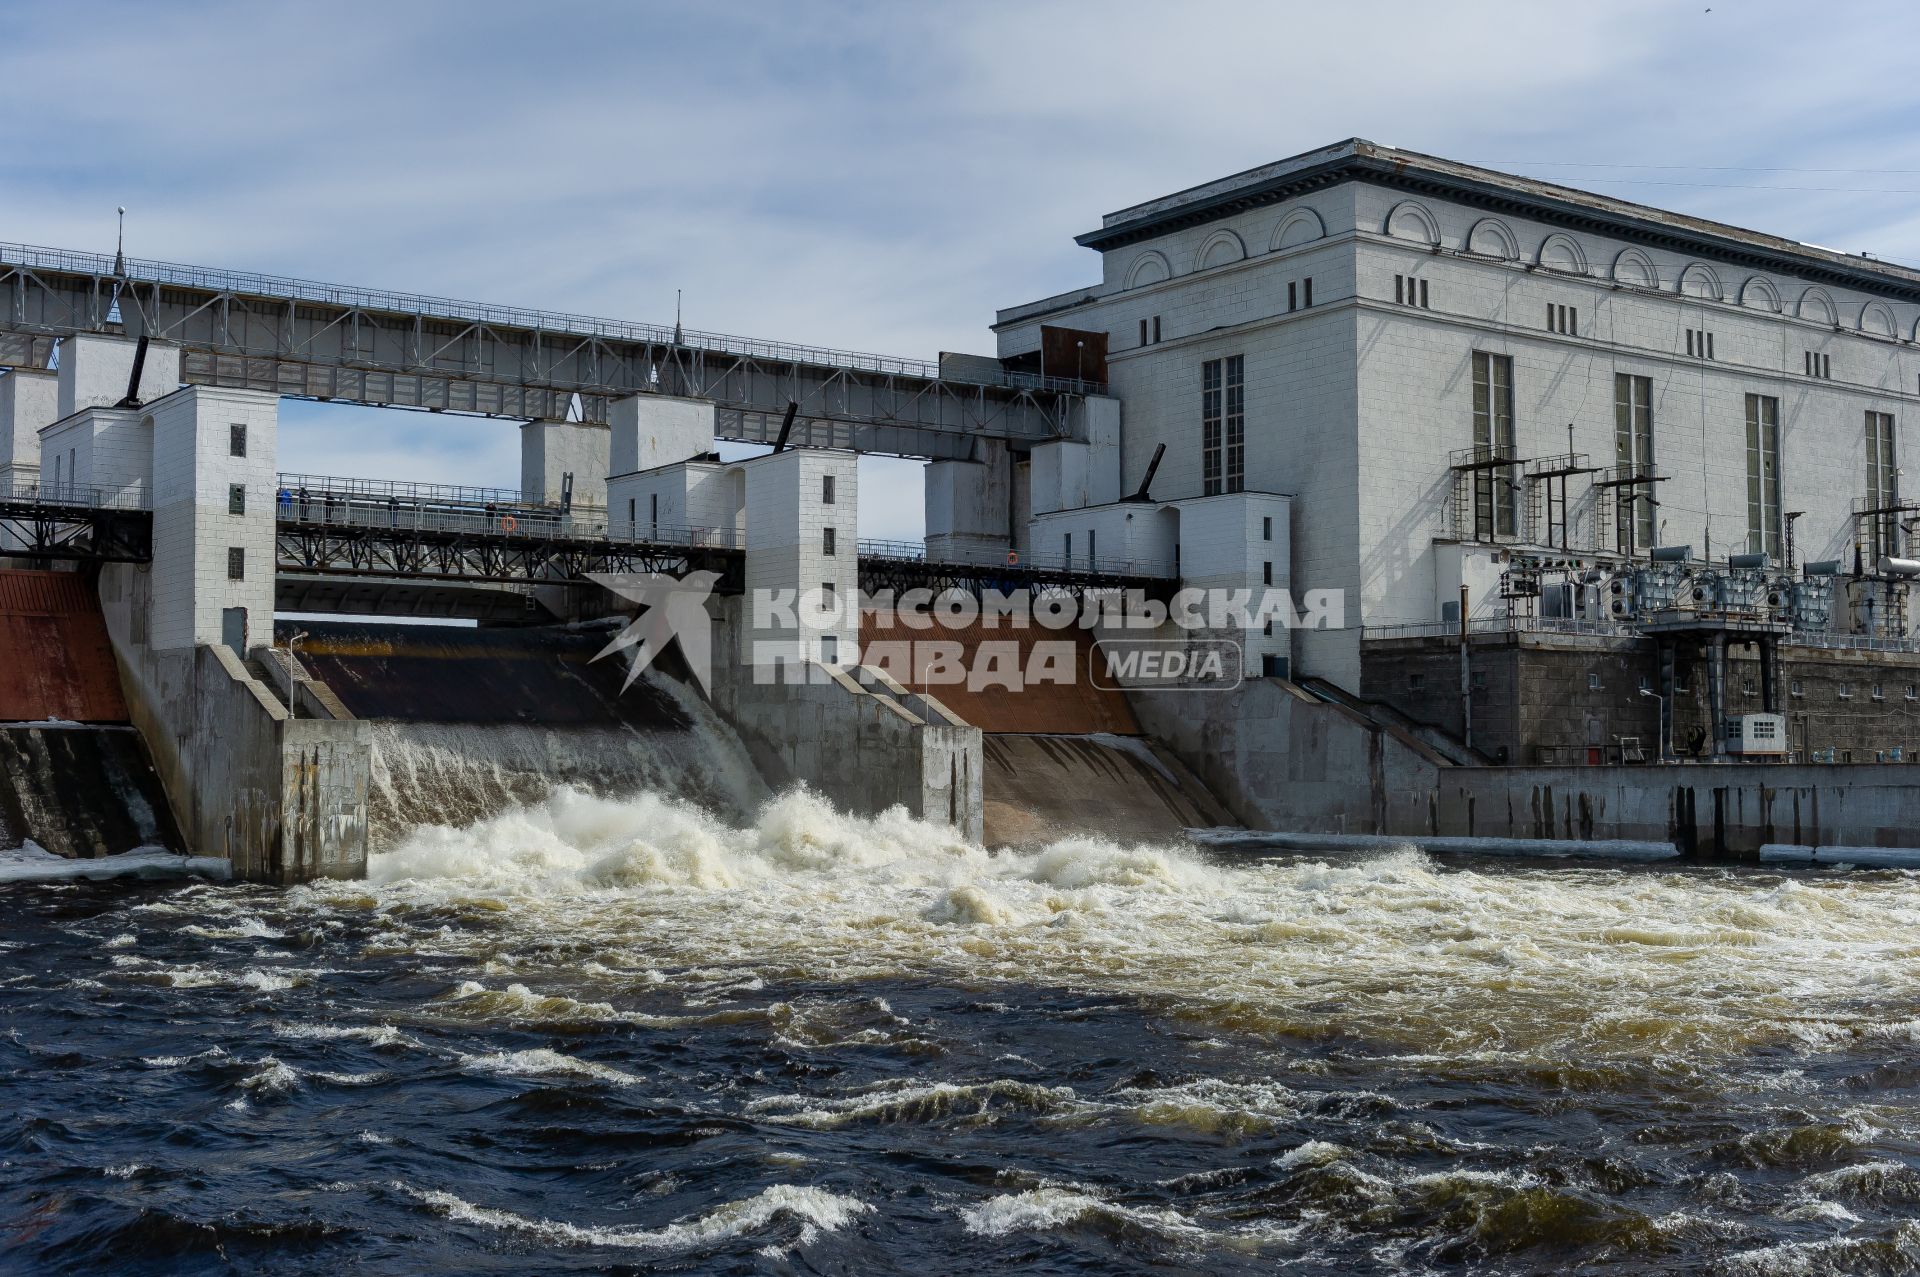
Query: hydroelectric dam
{"x": 149, "y": 698}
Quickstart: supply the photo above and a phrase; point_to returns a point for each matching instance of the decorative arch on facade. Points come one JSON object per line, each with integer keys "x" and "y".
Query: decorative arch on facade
{"x": 1562, "y": 253}
{"x": 1222, "y": 247}
{"x": 1700, "y": 281}
{"x": 1302, "y": 226}
{"x": 1491, "y": 237}
{"x": 1758, "y": 293}
{"x": 1635, "y": 268}
{"x": 1876, "y": 320}
{"x": 1411, "y": 220}
{"x": 1816, "y": 306}
{"x": 1151, "y": 267}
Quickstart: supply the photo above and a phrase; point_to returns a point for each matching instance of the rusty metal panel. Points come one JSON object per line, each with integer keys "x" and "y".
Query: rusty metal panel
{"x": 55, "y": 659}
{"x": 1073, "y": 709}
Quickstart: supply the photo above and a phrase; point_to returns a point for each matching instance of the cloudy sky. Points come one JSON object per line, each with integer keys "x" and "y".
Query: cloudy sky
{"x": 874, "y": 176}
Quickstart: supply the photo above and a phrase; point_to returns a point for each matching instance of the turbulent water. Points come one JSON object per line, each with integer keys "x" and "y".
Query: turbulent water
{"x": 599, "y": 1035}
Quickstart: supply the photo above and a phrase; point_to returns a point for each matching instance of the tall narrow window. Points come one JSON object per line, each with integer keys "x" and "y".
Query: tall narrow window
{"x": 826, "y": 489}
{"x": 1212, "y": 397}
{"x": 653, "y": 512}
{"x": 1494, "y": 506}
{"x": 1306, "y": 291}
{"x": 236, "y": 498}
{"x": 1143, "y": 332}
{"x": 1633, "y": 447}
{"x": 236, "y": 564}
{"x": 1067, "y": 548}
{"x": 1883, "y": 486}
{"x": 236, "y": 440}
{"x": 1293, "y": 295}
{"x": 1236, "y": 469}
{"x": 826, "y": 540}
{"x": 1156, "y": 328}
{"x": 1763, "y": 475}
{"x": 1093, "y": 548}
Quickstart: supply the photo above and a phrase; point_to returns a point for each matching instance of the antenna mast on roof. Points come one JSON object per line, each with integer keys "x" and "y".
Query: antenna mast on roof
{"x": 677, "y": 339}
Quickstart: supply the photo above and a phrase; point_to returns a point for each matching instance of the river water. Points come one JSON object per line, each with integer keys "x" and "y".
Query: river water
{"x": 601, "y": 1035}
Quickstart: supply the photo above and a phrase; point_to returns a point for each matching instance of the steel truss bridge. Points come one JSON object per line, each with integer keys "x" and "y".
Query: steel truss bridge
{"x": 368, "y": 532}
{"x": 72, "y": 524}
{"x": 310, "y": 340}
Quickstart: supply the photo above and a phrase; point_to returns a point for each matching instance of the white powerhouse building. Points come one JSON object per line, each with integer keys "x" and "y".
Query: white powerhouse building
{"x": 1431, "y": 373}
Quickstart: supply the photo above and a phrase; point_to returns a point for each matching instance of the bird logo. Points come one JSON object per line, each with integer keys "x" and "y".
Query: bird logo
{"x": 673, "y": 609}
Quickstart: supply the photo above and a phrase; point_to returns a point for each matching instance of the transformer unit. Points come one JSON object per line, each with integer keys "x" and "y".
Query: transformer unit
{"x": 1757, "y": 736}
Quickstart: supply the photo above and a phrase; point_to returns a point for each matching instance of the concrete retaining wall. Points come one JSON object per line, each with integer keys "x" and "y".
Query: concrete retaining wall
{"x": 856, "y": 737}
{"x": 1714, "y": 809}
{"x": 283, "y": 798}
{"x": 1281, "y": 759}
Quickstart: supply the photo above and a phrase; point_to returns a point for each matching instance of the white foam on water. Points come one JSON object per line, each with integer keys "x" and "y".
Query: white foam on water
{"x": 1455, "y": 965}
{"x": 543, "y": 1062}
{"x": 1053, "y": 1206}
{"x": 814, "y": 1209}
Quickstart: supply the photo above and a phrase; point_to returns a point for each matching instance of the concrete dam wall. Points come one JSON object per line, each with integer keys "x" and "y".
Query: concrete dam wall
{"x": 468, "y": 722}
{"x": 75, "y": 777}
{"x": 1058, "y": 758}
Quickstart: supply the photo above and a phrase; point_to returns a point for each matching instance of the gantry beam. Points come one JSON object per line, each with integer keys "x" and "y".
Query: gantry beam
{"x": 32, "y": 528}
{"x": 319, "y": 341}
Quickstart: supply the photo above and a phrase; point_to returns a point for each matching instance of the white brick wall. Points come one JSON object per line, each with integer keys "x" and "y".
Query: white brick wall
{"x": 785, "y": 523}
{"x": 649, "y": 431}
{"x": 28, "y": 401}
{"x": 1354, "y": 404}
{"x": 192, "y": 526}
{"x": 94, "y": 371}
{"x": 551, "y": 450}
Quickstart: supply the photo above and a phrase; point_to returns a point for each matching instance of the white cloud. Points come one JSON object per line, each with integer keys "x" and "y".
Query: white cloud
{"x": 870, "y": 176}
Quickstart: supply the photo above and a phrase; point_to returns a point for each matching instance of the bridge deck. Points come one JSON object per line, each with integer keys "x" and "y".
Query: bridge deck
{"x": 311, "y": 340}
{"x": 336, "y": 528}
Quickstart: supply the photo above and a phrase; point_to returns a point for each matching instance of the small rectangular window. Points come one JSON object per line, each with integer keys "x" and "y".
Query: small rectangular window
{"x": 1143, "y": 332}
{"x": 1293, "y": 295}
{"x": 1266, "y": 528}
{"x": 1798, "y": 689}
{"x": 1156, "y": 330}
{"x": 1093, "y": 547}
{"x": 1846, "y": 691}
{"x": 1593, "y": 682}
{"x": 829, "y": 649}
{"x": 236, "y": 564}
{"x": 237, "y": 440}
{"x": 1266, "y": 573}
{"x": 1878, "y": 694}
{"x": 236, "y": 498}
{"x": 826, "y": 489}
{"x": 1423, "y": 296}
{"x": 1306, "y": 291}
{"x": 826, "y": 540}
{"x": 653, "y": 508}
{"x": 1400, "y": 290}
{"x": 826, "y": 593}
{"x": 1416, "y": 682}
{"x": 1067, "y": 542}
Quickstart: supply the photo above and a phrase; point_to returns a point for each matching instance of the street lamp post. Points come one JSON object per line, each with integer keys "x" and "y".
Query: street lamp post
{"x": 1661, "y": 730}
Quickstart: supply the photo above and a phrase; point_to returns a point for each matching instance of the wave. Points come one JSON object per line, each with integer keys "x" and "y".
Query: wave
{"x": 814, "y": 1209}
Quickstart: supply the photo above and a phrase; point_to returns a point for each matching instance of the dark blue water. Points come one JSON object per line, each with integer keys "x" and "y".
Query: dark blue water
{"x": 803, "y": 1055}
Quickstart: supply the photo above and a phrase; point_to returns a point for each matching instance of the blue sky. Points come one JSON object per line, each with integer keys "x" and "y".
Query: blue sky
{"x": 874, "y": 176}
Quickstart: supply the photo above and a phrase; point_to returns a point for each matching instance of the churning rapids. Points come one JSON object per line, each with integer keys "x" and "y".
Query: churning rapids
{"x": 597, "y": 1035}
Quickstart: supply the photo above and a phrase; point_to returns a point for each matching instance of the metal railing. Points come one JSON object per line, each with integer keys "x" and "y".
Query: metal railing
{"x": 70, "y": 495}
{"x": 513, "y": 524}
{"x": 284, "y": 287}
{"x": 1498, "y": 625}
{"x": 316, "y": 485}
